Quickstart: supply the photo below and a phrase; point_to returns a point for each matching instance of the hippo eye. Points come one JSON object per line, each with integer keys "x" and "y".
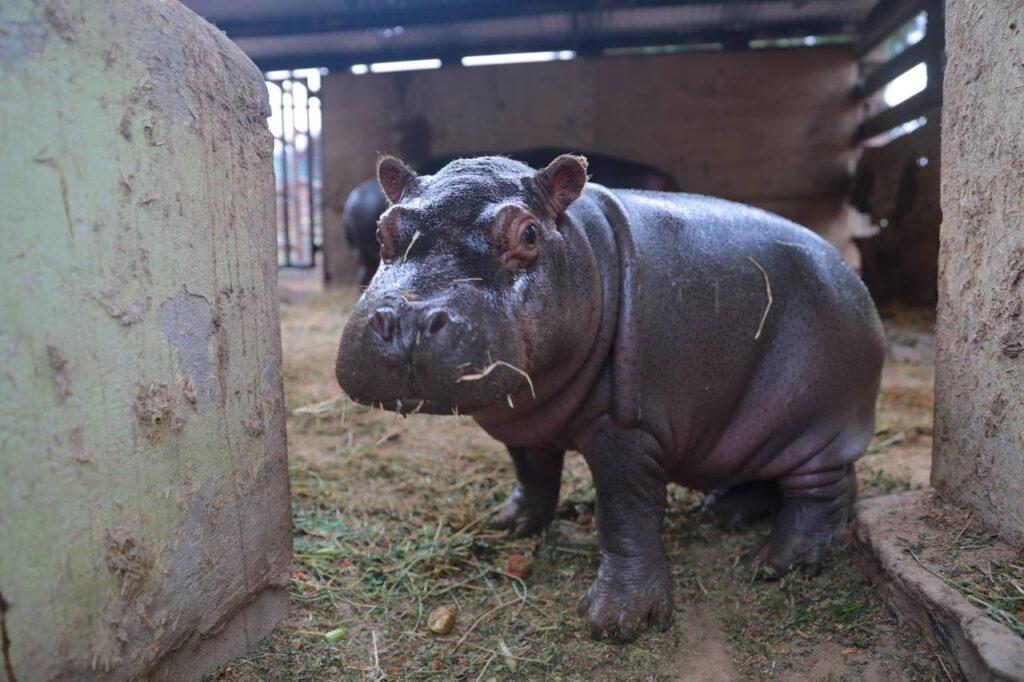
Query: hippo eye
{"x": 519, "y": 241}
{"x": 530, "y": 234}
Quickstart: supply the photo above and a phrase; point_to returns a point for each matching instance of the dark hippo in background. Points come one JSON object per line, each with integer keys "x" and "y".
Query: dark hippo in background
{"x": 666, "y": 337}
{"x": 366, "y": 202}
{"x": 359, "y": 220}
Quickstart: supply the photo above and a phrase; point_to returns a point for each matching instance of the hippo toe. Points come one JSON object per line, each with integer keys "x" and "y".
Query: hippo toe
{"x": 626, "y": 598}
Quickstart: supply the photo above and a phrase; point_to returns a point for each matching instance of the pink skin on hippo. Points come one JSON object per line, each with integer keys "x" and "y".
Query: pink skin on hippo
{"x": 666, "y": 337}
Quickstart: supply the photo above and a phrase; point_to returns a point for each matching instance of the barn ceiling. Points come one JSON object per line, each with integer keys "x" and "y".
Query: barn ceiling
{"x": 338, "y": 33}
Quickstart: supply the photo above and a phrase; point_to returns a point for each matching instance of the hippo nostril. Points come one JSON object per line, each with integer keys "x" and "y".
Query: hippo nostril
{"x": 383, "y": 324}
{"x": 436, "y": 322}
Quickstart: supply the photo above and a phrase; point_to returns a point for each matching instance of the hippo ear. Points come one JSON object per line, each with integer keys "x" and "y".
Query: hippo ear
{"x": 394, "y": 177}
{"x": 562, "y": 181}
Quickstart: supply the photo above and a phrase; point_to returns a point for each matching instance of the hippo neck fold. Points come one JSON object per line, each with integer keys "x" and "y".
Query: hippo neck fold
{"x": 563, "y": 404}
{"x": 626, "y": 398}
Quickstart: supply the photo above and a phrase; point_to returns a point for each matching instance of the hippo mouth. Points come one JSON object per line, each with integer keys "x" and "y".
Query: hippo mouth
{"x": 471, "y": 391}
{"x": 407, "y": 406}
{"x": 485, "y": 394}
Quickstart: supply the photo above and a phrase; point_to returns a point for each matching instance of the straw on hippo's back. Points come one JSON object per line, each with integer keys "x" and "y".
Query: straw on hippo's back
{"x": 366, "y": 202}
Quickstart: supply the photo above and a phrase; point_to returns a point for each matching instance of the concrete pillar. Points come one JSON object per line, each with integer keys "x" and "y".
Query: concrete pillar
{"x": 979, "y": 384}
{"x": 144, "y": 515}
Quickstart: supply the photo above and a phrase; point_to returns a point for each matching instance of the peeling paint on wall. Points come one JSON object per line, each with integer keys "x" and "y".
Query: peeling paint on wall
{"x": 186, "y": 321}
{"x": 20, "y": 40}
{"x": 254, "y": 424}
{"x": 125, "y": 561}
{"x": 125, "y": 313}
{"x": 59, "y": 367}
{"x": 62, "y": 19}
{"x": 153, "y": 410}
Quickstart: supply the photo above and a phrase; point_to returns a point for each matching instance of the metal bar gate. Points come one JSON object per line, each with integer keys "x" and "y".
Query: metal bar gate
{"x": 295, "y": 123}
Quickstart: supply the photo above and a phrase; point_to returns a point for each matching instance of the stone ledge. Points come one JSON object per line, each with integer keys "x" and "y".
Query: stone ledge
{"x": 982, "y": 648}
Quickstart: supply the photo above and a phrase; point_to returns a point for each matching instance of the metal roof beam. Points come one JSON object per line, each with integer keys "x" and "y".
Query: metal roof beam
{"x": 730, "y": 39}
{"x": 459, "y": 11}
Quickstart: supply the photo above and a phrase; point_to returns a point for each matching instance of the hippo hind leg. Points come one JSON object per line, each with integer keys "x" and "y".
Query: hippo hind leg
{"x": 809, "y": 523}
{"x": 732, "y": 507}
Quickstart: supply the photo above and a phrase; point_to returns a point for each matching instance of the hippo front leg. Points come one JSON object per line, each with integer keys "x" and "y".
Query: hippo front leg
{"x": 531, "y": 507}
{"x": 632, "y": 587}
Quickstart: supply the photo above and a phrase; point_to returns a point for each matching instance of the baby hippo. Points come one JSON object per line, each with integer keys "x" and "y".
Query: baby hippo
{"x": 666, "y": 337}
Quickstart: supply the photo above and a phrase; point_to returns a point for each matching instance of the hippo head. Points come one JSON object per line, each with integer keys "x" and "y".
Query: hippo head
{"x": 474, "y": 293}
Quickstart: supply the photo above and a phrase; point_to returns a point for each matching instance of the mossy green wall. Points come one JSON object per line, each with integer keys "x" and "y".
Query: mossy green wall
{"x": 143, "y": 483}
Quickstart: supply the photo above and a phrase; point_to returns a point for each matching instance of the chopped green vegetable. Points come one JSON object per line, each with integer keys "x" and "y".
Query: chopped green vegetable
{"x": 335, "y": 635}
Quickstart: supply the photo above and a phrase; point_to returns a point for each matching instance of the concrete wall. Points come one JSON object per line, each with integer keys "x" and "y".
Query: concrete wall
{"x": 144, "y": 516}
{"x": 769, "y": 128}
{"x": 979, "y": 382}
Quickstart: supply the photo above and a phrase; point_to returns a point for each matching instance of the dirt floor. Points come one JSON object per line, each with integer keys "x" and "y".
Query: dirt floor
{"x": 390, "y": 523}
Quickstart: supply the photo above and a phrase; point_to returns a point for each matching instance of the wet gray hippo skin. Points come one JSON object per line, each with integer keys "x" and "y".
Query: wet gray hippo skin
{"x": 366, "y": 202}
{"x": 643, "y": 322}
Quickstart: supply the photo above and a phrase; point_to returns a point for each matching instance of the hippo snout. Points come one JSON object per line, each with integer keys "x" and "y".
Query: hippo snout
{"x": 397, "y": 333}
{"x": 425, "y": 355}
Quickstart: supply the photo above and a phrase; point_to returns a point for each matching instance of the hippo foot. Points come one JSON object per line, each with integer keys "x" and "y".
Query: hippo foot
{"x": 625, "y": 598}
{"x": 805, "y": 529}
{"x": 732, "y": 507}
{"x": 522, "y": 517}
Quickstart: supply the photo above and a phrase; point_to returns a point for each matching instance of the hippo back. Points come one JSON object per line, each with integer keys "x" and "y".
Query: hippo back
{"x": 741, "y": 313}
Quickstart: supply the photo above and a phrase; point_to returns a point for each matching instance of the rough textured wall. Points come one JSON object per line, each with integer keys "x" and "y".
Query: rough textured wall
{"x": 768, "y": 128}
{"x": 143, "y": 482}
{"x": 979, "y": 380}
